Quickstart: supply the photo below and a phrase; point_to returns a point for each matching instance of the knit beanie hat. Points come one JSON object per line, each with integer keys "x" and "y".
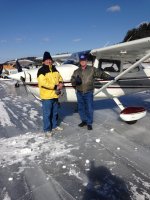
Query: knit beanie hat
{"x": 47, "y": 56}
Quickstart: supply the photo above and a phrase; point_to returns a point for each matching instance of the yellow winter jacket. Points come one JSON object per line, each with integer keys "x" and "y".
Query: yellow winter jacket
{"x": 48, "y": 79}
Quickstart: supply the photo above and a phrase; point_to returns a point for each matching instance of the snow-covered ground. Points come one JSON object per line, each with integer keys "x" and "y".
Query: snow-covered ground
{"x": 111, "y": 162}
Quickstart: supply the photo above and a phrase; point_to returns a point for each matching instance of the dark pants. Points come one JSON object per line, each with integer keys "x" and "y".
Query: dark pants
{"x": 85, "y": 106}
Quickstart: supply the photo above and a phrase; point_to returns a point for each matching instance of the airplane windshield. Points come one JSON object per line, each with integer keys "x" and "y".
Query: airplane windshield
{"x": 74, "y": 58}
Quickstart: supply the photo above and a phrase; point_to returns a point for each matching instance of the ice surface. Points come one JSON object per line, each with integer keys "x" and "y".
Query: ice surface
{"x": 110, "y": 162}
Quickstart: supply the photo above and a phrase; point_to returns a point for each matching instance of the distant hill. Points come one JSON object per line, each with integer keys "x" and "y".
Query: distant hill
{"x": 136, "y": 33}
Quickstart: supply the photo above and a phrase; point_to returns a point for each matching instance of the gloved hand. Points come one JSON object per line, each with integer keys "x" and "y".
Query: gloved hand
{"x": 78, "y": 80}
{"x": 58, "y": 92}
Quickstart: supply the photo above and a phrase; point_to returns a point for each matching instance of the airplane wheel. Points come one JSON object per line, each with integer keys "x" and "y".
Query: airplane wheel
{"x": 17, "y": 85}
{"x": 131, "y": 122}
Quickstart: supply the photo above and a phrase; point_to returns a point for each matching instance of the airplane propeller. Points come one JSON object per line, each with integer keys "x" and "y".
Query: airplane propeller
{"x": 23, "y": 80}
{"x": 19, "y": 68}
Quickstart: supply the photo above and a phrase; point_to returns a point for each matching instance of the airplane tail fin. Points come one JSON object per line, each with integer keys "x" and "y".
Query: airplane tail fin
{"x": 18, "y": 66}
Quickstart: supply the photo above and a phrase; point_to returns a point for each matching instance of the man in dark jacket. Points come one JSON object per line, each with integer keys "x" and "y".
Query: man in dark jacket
{"x": 83, "y": 80}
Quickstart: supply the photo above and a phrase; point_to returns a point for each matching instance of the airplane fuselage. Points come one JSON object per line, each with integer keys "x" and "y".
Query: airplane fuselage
{"x": 133, "y": 82}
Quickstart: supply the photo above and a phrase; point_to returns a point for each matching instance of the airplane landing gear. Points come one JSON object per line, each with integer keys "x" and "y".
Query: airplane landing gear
{"x": 131, "y": 122}
{"x": 131, "y": 114}
{"x": 17, "y": 85}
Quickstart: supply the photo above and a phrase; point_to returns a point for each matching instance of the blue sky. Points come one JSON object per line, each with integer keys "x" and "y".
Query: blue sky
{"x": 30, "y": 27}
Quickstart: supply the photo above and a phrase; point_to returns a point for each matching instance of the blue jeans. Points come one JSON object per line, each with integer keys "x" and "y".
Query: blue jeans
{"x": 85, "y": 106}
{"x": 50, "y": 114}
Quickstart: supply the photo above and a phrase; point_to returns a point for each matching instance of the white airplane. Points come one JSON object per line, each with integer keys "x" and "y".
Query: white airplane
{"x": 18, "y": 65}
{"x": 129, "y": 75}
{"x": 11, "y": 68}
{"x": 5, "y": 71}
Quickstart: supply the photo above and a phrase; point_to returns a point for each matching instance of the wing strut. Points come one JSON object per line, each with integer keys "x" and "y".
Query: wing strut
{"x": 123, "y": 73}
{"x": 119, "y": 104}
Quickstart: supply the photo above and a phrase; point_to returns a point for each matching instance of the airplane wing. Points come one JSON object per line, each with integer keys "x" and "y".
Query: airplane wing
{"x": 58, "y": 57}
{"x": 137, "y": 51}
{"x": 23, "y": 62}
{"x": 61, "y": 57}
{"x": 127, "y": 51}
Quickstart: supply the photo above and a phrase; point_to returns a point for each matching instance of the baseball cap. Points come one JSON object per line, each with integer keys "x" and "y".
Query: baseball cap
{"x": 82, "y": 57}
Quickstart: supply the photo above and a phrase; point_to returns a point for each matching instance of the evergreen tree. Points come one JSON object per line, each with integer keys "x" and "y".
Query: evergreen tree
{"x": 136, "y": 33}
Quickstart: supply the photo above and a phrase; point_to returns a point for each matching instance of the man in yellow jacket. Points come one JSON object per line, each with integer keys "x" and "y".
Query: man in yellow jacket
{"x": 50, "y": 84}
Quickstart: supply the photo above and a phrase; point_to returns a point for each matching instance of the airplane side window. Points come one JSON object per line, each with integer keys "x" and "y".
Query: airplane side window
{"x": 91, "y": 59}
{"x": 109, "y": 65}
{"x": 110, "y": 68}
{"x": 136, "y": 69}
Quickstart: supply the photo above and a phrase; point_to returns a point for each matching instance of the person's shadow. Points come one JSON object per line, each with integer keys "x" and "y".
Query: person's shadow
{"x": 103, "y": 185}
